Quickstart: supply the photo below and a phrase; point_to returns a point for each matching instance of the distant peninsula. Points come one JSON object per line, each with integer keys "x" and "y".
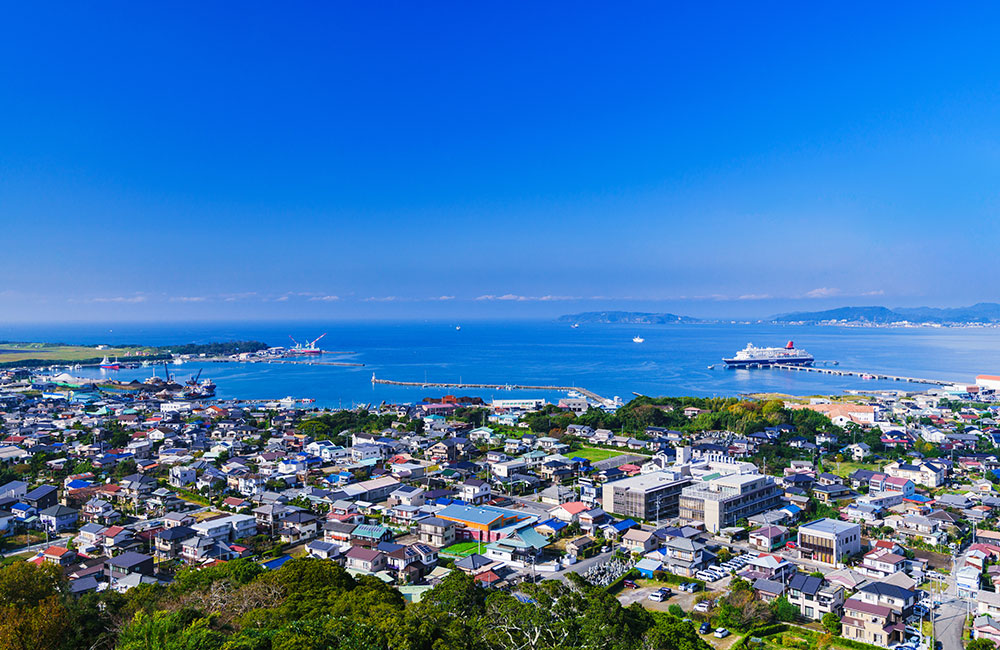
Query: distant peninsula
{"x": 626, "y": 317}
{"x": 983, "y": 312}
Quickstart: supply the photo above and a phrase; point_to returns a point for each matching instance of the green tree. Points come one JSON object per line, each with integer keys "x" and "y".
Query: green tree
{"x": 831, "y": 622}
{"x": 457, "y": 595}
{"x": 783, "y": 610}
{"x": 980, "y": 644}
{"x": 32, "y": 613}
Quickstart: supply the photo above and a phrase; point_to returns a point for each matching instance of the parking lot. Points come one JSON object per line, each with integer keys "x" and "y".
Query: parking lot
{"x": 685, "y": 600}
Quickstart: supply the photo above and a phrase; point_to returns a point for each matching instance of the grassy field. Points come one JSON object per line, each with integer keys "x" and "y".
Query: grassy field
{"x": 847, "y": 468}
{"x": 802, "y": 639}
{"x": 20, "y": 352}
{"x": 461, "y": 549}
{"x": 595, "y": 455}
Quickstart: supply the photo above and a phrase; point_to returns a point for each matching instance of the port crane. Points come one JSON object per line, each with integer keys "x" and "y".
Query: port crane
{"x": 309, "y": 347}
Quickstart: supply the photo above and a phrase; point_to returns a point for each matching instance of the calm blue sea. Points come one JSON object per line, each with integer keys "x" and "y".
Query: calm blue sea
{"x": 673, "y": 360}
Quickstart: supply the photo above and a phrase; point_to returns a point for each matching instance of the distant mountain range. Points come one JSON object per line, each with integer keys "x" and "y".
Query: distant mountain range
{"x": 983, "y": 312}
{"x": 626, "y": 317}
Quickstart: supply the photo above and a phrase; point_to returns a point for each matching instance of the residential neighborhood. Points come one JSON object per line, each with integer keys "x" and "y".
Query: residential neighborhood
{"x": 881, "y": 529}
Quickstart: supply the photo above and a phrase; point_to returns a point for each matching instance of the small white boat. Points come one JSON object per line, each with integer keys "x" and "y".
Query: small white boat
{"x": 458, "y": 328}
{"x": 637, "y": 339}
{"x": 575, "y": 326}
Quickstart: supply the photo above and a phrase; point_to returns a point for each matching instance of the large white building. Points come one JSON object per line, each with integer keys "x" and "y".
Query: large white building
{"x": 722, "y": 502}
{"x": 645, "y": 496}
{"x": 530, "y": 404}
{"x": 990, "y": 382}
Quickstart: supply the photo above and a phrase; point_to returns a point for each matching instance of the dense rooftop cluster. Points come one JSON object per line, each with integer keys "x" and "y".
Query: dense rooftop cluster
{"x": 840, "y": 512}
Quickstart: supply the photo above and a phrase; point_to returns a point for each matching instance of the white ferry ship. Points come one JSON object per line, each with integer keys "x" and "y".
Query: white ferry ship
{"x": 754, "y": 356}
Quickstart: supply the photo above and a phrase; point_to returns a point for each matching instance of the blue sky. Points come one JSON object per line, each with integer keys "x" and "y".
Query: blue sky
{"x": 430, "y": 160}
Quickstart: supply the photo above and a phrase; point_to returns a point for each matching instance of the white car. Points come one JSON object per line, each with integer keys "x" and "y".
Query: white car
{"x": 721, "y": 633}
{"x": 658, "y": 596}
{"x": 702, "y": 606}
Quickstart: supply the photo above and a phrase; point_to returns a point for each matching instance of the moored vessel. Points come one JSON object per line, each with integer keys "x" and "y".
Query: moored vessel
{"x": 751, "y": 355}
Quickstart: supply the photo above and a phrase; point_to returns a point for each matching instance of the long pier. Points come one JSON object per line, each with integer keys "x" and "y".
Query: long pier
{"x": 294, "y": 360}
{"x": 436, "y": 384}
{"x": 856, "y": 373}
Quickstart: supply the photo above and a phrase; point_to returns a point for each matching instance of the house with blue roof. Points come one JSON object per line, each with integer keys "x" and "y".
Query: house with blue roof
{"x": 550, "y": 526}
{"x": 616, "y": 529}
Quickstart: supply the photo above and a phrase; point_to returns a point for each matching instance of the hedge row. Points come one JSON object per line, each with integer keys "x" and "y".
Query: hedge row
{"x": 778, "y": 628}
{"x": 616, "y": 586}
{"x": 674, "y": 579}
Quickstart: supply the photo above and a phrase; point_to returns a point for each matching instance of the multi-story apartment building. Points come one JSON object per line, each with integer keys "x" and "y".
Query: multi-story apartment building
{"x": 814, "y": 596}
{"x": 722, "y": 502}
{"x": 829, "y": 540}
{"x": 647, "y": 496}
{"x": 875, "y": 624}
{"x": 224, "y": 529}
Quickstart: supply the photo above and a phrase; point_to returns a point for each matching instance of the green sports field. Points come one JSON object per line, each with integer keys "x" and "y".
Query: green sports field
{"x": 595, "y": 455}
{"x": 461, "y": 549}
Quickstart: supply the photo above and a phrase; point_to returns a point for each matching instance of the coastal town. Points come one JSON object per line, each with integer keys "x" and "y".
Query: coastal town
{"x": 852, "y": 521}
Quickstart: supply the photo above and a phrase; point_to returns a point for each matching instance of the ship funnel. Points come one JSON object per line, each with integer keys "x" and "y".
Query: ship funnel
{"x": 790, "y": 346}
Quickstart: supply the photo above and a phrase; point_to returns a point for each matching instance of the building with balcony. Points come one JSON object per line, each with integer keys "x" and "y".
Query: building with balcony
{"x": 650, "y": 496}
{"x": 722, "y": 502}
{"x": 814, "y": 596}
{"x": 875, "y": 624}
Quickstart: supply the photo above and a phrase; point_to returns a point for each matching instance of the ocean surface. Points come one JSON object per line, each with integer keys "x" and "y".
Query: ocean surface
{"x": 673, "y": 360}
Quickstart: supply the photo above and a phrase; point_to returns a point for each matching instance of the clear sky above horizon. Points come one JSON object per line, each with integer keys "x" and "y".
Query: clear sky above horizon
{"x": 322, "y": 160}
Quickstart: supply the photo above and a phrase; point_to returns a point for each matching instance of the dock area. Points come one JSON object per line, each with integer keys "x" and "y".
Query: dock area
{"x": 431, "y": 384}
{"x": 296, "y": 360}
{"x": 856, "y": 373}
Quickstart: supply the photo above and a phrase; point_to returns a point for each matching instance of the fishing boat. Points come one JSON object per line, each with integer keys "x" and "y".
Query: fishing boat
{"x": 637, "y": 339}
{"x": 110, "y": 365}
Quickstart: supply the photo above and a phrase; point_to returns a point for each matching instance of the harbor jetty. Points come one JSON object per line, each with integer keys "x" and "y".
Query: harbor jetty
{"x": 856, "y": 373}
{"x": 298, "y": 360}
{"x": 432, "y": 384}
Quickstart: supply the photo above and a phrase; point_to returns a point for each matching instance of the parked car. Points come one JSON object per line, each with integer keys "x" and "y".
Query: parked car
{"x": 702, "y": 606}
{"x": 630, "y": 584}
{"x": 605, "y": 549}
{"x": 705, "y": 628}
{"x": 660, "y": 595}
{"x": 721, "y": 633}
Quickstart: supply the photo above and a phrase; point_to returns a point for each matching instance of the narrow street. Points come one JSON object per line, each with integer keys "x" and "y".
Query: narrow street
{"x": 949, "y": 619}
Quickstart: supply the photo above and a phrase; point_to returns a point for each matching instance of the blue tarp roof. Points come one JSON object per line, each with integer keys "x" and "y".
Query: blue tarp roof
{"x": 276, "y": 563}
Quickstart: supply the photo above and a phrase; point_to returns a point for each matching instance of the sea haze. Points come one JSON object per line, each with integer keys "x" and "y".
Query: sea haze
{"x": 673, "y": 360}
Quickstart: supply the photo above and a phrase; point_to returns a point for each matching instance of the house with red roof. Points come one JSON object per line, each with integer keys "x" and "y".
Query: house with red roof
{"x": 58, "y": 555}
{"x": 569, "y": 512}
